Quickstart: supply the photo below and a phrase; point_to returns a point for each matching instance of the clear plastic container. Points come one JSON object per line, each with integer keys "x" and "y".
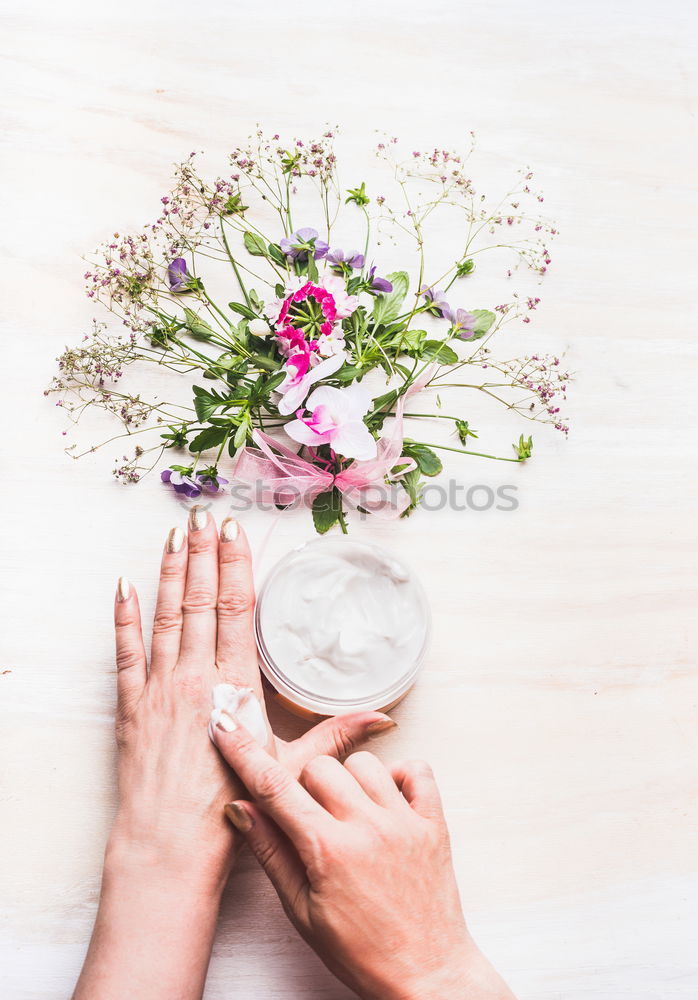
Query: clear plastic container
{"x": 409, "y": 616}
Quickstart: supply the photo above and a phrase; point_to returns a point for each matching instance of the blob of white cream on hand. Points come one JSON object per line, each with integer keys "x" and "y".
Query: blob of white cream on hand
{"x": 341, "y": 625}
{"x": 241, "y": 704}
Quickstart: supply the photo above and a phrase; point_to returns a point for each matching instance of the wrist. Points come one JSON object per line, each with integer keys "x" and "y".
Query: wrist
{"x": 467, "y": 975}
{"x": 149, "y": 861}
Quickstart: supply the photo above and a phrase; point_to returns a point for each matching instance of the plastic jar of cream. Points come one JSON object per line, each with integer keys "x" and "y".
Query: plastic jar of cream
{"x": 341, "y": 627}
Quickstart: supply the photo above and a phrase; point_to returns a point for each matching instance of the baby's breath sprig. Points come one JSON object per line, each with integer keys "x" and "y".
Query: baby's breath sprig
{"x": 275, "y": 330}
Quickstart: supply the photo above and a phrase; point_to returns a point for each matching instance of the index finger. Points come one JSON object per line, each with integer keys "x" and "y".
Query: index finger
{"x": 293, "y": 809}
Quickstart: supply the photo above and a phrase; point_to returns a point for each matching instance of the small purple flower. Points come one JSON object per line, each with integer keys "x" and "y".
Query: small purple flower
{"x": 342, "y": 262}
{"x": 378, "y": 284}
{"x": 192, "y": 486}
{"x": 463, "y": 324}
{"x": 178, "y": 275}
{"x": 298, "y": 245}
{"x": 436, "y": 303}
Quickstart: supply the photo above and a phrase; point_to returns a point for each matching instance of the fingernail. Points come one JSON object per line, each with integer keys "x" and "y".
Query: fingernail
{"x": 239, "y": 817}
{"x": 380, "y": 726}
{"x": 123, "y": 589}
{"x": 198, "y": 517}
{"x": 229, "y": 530}
{"x": 225, "y": 722}
{"x": 175, "y": 540}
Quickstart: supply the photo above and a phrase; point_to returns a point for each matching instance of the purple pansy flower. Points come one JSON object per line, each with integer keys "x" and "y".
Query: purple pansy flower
{"x": 298, "y": 245}
{"x": 378, "y": 284}
{"x": 178, "y": 275}
{"x": 344, "y": 262}
{"x": 190, "y": 485}
{"x": 463, "y": 324}
{"x": 436, "y": 303}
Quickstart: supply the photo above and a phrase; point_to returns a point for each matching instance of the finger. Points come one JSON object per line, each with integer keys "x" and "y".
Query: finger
{"x": 336, "y": 737}
{"x": 131, "y": 664}
{"x": 416, "y": 781}
{"x": 167, "y": 623}
{"x": 374, "y": 778}
{"x": 198, "y": 647}
{"x": 236, "y": 649}
{"x": 275, "y": 853}
{"x": 333, "y": 787}
{"x": 271, "y": 785}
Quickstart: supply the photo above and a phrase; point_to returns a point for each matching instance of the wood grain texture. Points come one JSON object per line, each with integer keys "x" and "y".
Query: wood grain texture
{"x": 558, "y": 705}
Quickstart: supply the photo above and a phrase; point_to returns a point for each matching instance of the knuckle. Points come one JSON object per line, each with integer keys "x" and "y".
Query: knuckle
{"x": 198, "y": 598}
{"x": 167, "y": 619}
{"x": 128, "y": 656}
{"x": 171, "y": 571}
{"x": 343, "y": 740}
{"x": 265, "y": 852}
{"x": 233, "y": 603}
{"x": 315, "y": 768}
{"x": 362, "y": 757}
{"x": 419, "y": 768}
{"x": 271, "y": 783}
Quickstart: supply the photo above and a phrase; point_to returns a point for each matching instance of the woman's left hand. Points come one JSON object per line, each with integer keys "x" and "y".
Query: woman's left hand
{"x": 170, "y": 850}
{"x": 173, "y": 785}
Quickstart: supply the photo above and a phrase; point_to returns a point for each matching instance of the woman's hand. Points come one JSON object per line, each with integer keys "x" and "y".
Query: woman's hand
{"x": 361, "y": 861}
{"x": 172, "y": 784}
{"x": 170, "y": 849}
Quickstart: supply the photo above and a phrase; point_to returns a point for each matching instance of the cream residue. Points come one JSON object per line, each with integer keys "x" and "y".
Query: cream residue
{"x": 242, "y": 705}
{"x": 342, "y": 620}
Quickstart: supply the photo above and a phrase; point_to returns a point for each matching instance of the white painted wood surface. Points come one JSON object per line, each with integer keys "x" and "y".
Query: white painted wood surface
{"x": 558, "y": 705}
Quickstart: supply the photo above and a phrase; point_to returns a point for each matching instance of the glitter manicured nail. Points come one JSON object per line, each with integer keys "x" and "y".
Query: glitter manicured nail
{"x": 239, "y": 817}
{"x": 229, "y": 530}
{"x": 380, "y": 726}
{"x": 198, "y": 517}
{"x": 175, "y": 540}
{"x": 123, "y": 589}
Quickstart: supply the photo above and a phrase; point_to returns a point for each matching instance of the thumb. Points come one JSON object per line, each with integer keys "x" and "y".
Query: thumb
{"x": 335, "y": 737}
{"x": 275, "y": 853}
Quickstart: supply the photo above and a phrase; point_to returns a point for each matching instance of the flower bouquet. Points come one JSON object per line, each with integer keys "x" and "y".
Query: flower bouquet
{"x": 304, "y": 352}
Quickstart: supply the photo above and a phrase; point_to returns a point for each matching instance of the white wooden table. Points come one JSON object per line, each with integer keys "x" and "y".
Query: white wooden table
{"x": 558, "y": 705}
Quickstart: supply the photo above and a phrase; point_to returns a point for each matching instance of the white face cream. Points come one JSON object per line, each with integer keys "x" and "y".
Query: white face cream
{"x": 341, "y": 626}
{"x": 240, "y": 704}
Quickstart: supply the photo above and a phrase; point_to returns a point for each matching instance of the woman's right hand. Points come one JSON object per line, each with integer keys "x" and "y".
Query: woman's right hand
{"x": 361, "y": 861}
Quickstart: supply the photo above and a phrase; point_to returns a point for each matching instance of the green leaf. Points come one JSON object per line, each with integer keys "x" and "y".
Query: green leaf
{"x": 241, "y": 432}
{"x": 410, "y": 340}
{"x": 312, "y": 268}
{"x": 387, "y": 306}
{"x": 484, "y": 319}
{"x": 243, "y": 310}
{"x": 464, "y": 431}
{"x": 523, "y": 448}
{"x": 326, "y": 510}
{"x": 410, "y": 482}
{"x": 436, "y": 350}
{"x": 209, "y": 437}
{"x": 276, "y": 254}
{"x": 255, "y": 244}
{"x": 197, "y": 326}
{"x": 206, "y": 403}
{"x": 428, "y": 463}
{"x": 347, "y": 373}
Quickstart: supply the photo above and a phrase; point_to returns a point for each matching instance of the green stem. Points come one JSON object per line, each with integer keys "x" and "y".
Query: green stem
{"x": 234, "y": 266}
{"x": 462, "y": 451}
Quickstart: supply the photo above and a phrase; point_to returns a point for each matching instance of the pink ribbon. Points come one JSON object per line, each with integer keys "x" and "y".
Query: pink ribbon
{"x": 283, "y": 477}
